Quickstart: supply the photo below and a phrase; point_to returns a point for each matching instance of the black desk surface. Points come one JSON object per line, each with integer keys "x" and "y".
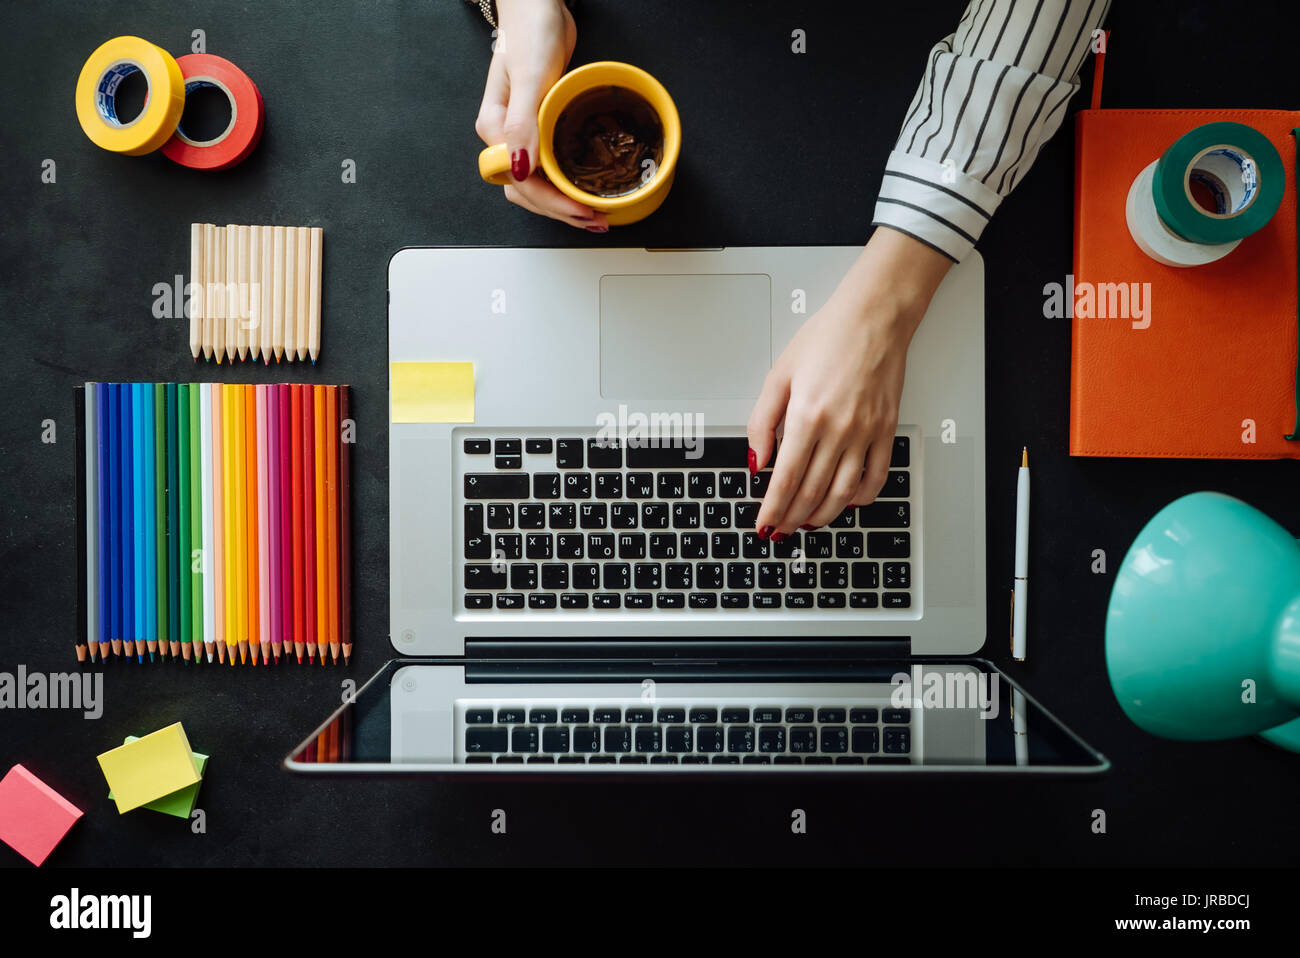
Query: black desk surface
{"x": 779, "y": 149}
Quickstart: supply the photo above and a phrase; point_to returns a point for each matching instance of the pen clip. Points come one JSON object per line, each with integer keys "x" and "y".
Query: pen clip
{"x": 1011, "y": 623}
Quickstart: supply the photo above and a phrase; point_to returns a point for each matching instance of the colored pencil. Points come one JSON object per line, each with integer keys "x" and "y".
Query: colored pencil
{"x": 236, "y": 546}
{"x": 332, "y": 515}
{"x": 212, "y": 519}
{"x": 157, "y": 504}
{"x": 253, "y": 609}
{"x": 205, "y": 567}
{"x": 263, "y": 528}
{"x": 285, "y": 532}
{"x": 194, "y": 556}
{"x": 221, "y": 514}
{"x": 196, "y": 289}
{"x": 308, "y": 522}
{"x": 170, "y": 534}
{"x": 271, "y": 531}
{"x": 124, "y": 567}
{"x": 180, "y": 531}
{"x": 297, "y": 529}
{"x": 104, "y": 418}
{"x": 83, "y": 398}
{"x": 135, "y": 644}
{"x": 347, "y": 435}
{"x": 321, "y": 428}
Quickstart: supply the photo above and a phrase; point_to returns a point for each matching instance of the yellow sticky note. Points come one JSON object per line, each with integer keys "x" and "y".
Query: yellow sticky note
{"x": 150, "y": 767}
{"x": 432, "y": 392}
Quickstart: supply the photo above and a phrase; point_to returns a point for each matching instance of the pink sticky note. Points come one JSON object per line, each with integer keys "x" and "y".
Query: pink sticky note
{"x": 33, "y": 817}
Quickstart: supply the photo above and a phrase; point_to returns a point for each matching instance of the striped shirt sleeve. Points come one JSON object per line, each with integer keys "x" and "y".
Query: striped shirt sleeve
{"x": 993, "y": 91}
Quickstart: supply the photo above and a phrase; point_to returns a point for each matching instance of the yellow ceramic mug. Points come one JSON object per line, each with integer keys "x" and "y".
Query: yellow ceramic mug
{"x": 494, "y": 162}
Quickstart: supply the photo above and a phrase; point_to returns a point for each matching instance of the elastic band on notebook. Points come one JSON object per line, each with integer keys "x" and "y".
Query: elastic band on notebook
{"x": 1295, "y": 433}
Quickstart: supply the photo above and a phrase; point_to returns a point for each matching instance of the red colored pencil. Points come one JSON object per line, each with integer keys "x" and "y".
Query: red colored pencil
{"x": 295, "y": 473}
{"x": 309, "y": 558}
{"x": 285, "y": 531}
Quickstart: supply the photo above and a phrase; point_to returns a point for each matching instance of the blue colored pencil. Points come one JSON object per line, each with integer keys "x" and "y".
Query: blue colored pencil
{"x": 126, "y": 498}
{"x": 101, "y": 497}
{"x": 150, "y": 526}
{"x": 113, "y": 480}
{"x": 143, "y": 468}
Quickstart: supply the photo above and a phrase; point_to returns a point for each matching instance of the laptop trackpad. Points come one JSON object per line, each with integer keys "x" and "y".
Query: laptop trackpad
{"x": 685, "y": 336}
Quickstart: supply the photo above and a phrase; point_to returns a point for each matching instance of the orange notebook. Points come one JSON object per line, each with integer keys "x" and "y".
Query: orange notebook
{"x": 1217, "y": 363}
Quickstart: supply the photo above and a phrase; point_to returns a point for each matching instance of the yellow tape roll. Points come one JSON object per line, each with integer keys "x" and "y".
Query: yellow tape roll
{"x": 97, "y": 94}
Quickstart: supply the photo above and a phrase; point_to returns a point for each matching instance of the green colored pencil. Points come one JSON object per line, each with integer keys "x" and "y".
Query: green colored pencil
{"x": 179, "y": 634}
{"x": 196, "y": 522}
{"x": 160, "y": 506}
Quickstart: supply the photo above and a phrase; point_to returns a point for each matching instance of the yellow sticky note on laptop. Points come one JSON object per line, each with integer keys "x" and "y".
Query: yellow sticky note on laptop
{"x": 150, "y": 767}
{"x": 432, "y": 392}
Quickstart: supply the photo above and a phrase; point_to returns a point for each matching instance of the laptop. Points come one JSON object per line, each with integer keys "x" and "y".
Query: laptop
{"x": 576, "y": 583}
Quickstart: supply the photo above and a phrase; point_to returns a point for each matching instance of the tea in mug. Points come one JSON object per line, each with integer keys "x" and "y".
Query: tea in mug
{"x": 609, "y": 141}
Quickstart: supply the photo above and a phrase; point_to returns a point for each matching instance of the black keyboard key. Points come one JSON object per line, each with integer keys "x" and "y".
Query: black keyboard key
{"x": 510, "y": 600}
{"x": 541, "y": 600}
{"x": 671, "y": 485}
{"x": 508, "y": 462}
{"x": 889, "y": 545}
{"x": 798, "y": 714}
{"x": 786, "y": 760}
{"x": 695, "y": 545}
{"x": 803, "y": 738}
{"x": 623, "y": 515}
{"x": 484, "y": 576}
{"x": 541, "y": 759}
{"x": 616, "y": 575}
{"x": 725, "y": 760}
{"x": 789, "y": 547}
{"x": 481, "y": 739}
{"x": 680, "y": 739}
{"x": 632, "y": 760}
{"x": 818, "y": 545}
{"x": 758, "y": 484}
{"x": 546, "y": 485}
{"x": 866, "y": 740}
{"x": 669, "y": 716}
{"x": 848, "y": 545}
{"x": 740, "y": 576}
{"x": 654, "y": 515}
{"x": 585, "y": 575}
{"x": 701, "y": 714}
{"x": 478, "y": 716}
{"x": 586, "y": 738}
{"x": 831, "y": 716}
{"x": 577, "y": 485}
{"x": 638, "y": 716}
{"x": 865, "y": 575}
{"x": 609, "y": 485}
{"x": 708, "y": 575}
{"x": 501, "y": 515}
{"x": 677, "y": 575}
{"x": 663, "y": 759}
{"x": 601, "y": 545}
{"x": 771, "y": 739}
{"x": 752, "y": 547}
{"x": 735, "y": 714}
{"x": 897, "y": 600}
{"x": 523, "y": 576}
{"x": 523, "y": 739}
{"x": 898, "y": 575}
{"x": 898, "y": 741}
{"x": 695, "y": 760}
{"x": 724, "y": 545}
{"x": 555, "y": 739}
{"x": 862, "y": 716}
{"x": 571, "y": 600}
{"x": 735, "y": 600}
{"x": 702, "y": 600}
{"x": 767, "y": 714}
{"x": 604, "y": 454}
{"x": 496, "y": 485}
{"x": 606, "y": 714}
{"x": 849, "y": 760}
{"x": 640, "y": 485}
{"x": 510, "y": 760}
{"x": 532, "y": 515}
{"x": 700, "y": 485}
{"x": 618, "y": 738}
{"x": 631, "y": 545}
{"x": 897, "y": 486}
{"x": 572, "y": 760}
{"x": 670, "y": 600}
{"x": 740, "y": 738}
{"x": 568, "y": 545}
{"x": 899, "y": 459}
{"x": 606, "y": 600}
{"x": 663, "y": 545}
{"x": 844, "y": 520}
{"x": 510, "y": 715}
{"x": 717, "y": 515}
{"x": 537, "y": 447}
{"x": 508, "y": 545}
{"x": 798, "y": 600}
{"x": 478, "y": 759}
{"x": 649, "y": 739}
{"x": 834, "y": 575}
{"x": 898, "y": 716}
{"x": 562, "y": 515}
{"x": 542, "y": 716}
{"x": 508, "y": 447}
{"x": 888, "y": 760}
{"x": 830, "y": 600}
{"x": 638, "y": 600}
{"x": 885, "y": 515}
{"x": 478, "y": 600}
{"x": 568, "y": 453}
{"x": 686, "y": 515}
{"x": 746, "y": 514}
{"x": 603, "y": 760}
{"x": 573, "y": 716}
{"x": 478, "y": 447}
{"x": 863, "y": 600}
{"x": 477, "y": 544}
{"x": 771, "y": 575}
{"x": 731, "y": 485}
{"x": 818, "y": 760}
{"x": 713, "y": 452}
{"x": 834, "y": 738}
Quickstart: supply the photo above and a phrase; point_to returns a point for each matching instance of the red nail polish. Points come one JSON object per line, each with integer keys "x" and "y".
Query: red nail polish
{"x": 765, "y": 532}
{"x": 519, "y": 164}
{"x": 806, "y": 526}
{"x": 753, "y": 463}
{"x": 778, "y": 536}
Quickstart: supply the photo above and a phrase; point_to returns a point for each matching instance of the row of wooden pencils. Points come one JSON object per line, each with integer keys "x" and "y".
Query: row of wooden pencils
{"x": 215, "y": 522}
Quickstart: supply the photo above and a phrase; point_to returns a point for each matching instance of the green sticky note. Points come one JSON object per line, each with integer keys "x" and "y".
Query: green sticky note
{"x": 432, "y": 392}
{"x": 179, "y": 803}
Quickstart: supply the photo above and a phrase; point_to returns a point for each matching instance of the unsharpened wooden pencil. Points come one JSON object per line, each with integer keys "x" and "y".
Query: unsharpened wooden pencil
{"x": 277, "y": 291}
{"x": 316, "y": 239}
{"x": 302, "y": 287}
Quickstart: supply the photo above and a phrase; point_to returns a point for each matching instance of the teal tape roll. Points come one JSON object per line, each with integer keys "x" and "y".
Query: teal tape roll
{"x": 1238, "y": 166}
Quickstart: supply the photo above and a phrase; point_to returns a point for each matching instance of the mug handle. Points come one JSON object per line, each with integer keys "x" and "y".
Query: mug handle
{"x": 494, "y": 165}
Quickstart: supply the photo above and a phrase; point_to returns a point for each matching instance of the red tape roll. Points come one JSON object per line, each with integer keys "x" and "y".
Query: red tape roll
{"x": 247, "y": 115}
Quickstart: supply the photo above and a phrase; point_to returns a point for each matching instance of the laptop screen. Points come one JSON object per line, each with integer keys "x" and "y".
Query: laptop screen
{"x": 490, "y": 716}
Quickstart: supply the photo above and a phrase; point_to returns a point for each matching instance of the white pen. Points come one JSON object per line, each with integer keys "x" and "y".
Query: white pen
{"x": 1020, "y": 588}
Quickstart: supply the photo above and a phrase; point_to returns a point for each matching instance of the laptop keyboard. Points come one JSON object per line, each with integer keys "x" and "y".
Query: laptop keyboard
{"x": 687, "y": 733}
{"x": 557, "y": 525}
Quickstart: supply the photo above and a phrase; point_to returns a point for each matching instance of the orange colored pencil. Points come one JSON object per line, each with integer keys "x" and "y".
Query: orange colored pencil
{"x": 253, "y": 608}
{"x": 295, "y": 498}
{"x": 216, "y": 556}
{"x": 237, "y": 633}
{"x": 322, "y": 499}
{"x": 332, "y": 515}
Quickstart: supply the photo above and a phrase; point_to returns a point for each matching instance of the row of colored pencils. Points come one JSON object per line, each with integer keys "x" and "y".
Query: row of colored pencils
{"x": 255, "y": 291}
{"x": 216, "y": 521}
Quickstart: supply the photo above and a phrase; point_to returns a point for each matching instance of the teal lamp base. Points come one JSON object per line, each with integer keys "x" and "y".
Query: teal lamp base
{"x": 1284, "y": 736}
